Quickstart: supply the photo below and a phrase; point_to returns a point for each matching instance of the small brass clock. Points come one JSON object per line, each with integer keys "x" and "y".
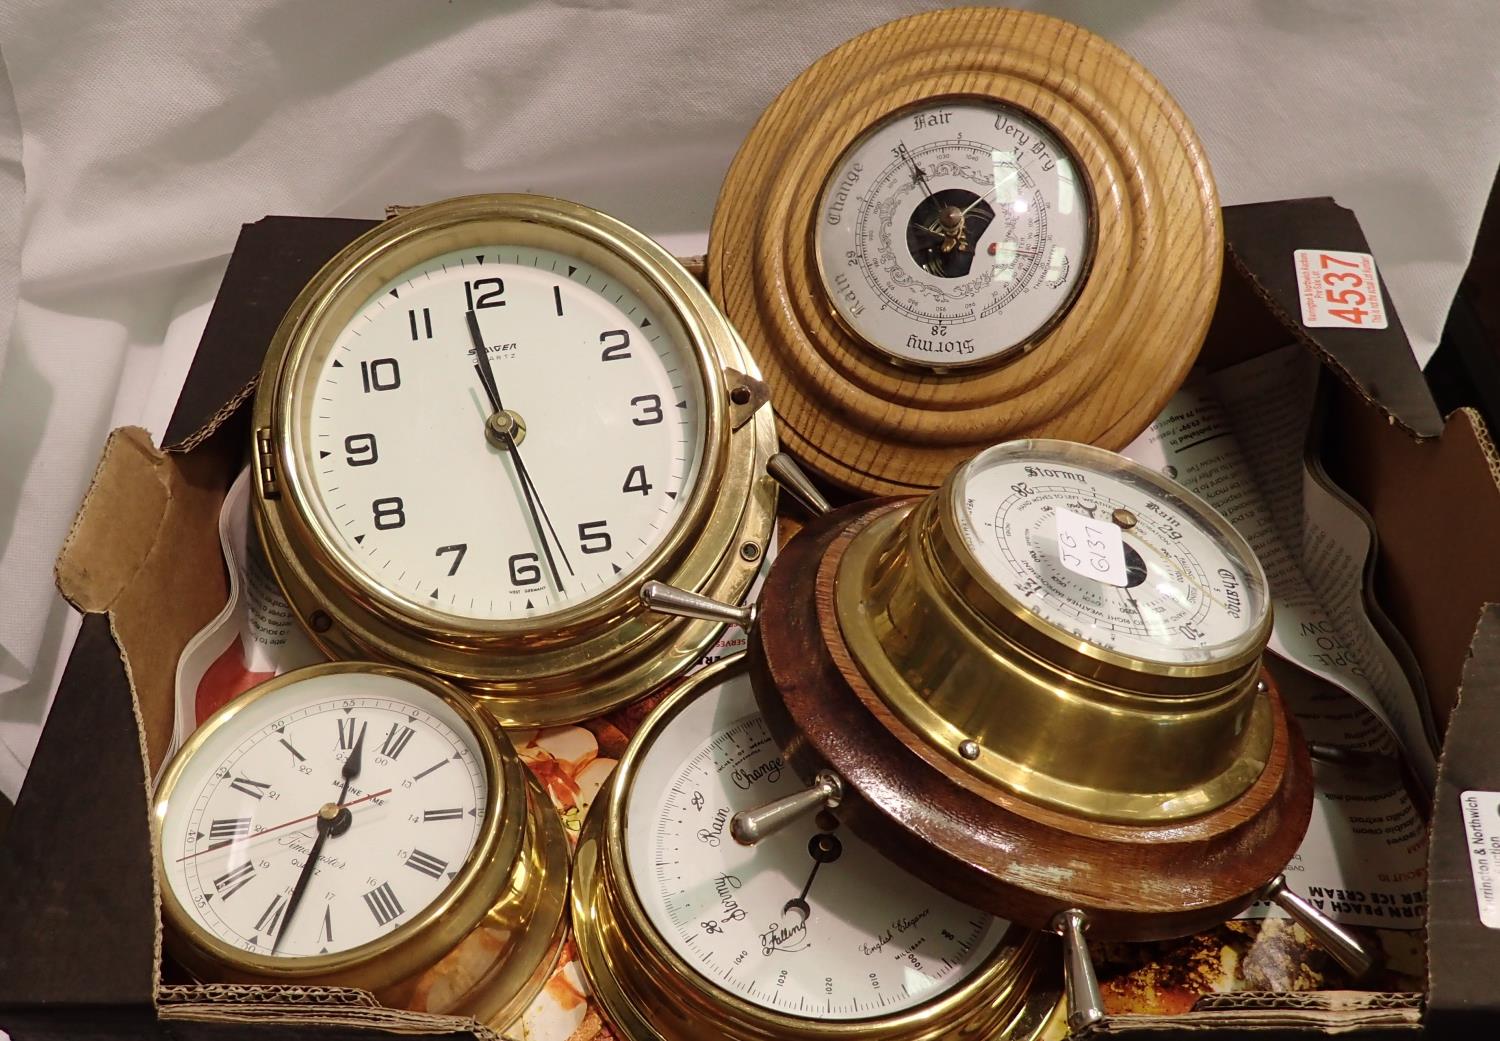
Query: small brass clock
{"x": 482, "y": 425}
{"x": 963, "y": 227}
{"x": 361, "y": 825}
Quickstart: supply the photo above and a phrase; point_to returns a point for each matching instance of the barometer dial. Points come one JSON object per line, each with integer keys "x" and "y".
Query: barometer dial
{"x": 1111, "y": 553}
{"x": 812, "y": 921}
{"x": 954, "y": 233}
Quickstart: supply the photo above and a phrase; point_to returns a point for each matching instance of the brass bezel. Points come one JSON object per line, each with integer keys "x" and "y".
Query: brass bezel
{"x": 594, "y": 655}
{"x": 515, "y": 878}
{"x": 1020, "y": 348}
{"x": 940, "y": 539}
{"x": 650, "y": 993}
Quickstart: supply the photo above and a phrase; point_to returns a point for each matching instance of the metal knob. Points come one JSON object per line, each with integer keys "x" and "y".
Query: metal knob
{"x": 1081, "y": 984}
{"x": 750, "y": 826}
{"x": 1347, "y": 949}
{"x": 670, "y": 600}
{"x": 798, "y": 485}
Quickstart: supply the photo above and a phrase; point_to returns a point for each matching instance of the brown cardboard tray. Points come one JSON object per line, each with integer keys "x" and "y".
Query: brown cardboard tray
{"x": 79, "y": 928}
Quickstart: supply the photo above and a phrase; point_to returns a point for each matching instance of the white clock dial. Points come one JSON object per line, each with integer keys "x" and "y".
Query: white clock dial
{"x": 244, "y": 816}
{"x": 809, "y": 922}
{"x": 1043, "y": 518}
{"x": 954, "y": 234}
{"x": 443, "y": 514}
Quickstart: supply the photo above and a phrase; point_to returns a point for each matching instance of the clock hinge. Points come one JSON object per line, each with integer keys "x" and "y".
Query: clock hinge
{"x": 265, "y": 465}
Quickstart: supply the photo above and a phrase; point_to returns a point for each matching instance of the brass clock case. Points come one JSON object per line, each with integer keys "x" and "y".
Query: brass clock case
{"x": 509, "y": 898}
{"x": 650, "y": 993}
{"x": 589, "y": 657}
{"x": 1098, "y": 373}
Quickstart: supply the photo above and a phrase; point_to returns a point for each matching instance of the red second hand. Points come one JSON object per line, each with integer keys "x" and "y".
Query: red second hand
{"x": 284, "y": 824}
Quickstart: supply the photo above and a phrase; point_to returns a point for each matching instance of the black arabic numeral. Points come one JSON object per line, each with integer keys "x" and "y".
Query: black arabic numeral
{"x": 361, "y": 449}
{"x": 389, "y": 513}
{"x": 650, "y": 406}
{"x": 615, "y": 351}
{"x": 420, "y": 330}
{"x": 635, "y": 481}
{"x": 376, "y": 378}
{"x": 594, "y": 541}
{"x": 485, "y": 297}
{"x": 525, "y": 569}
{"x": 460, "y": 549}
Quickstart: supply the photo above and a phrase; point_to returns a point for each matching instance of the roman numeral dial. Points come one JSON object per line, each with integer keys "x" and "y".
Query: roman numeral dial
{"x": 324, "y": 815}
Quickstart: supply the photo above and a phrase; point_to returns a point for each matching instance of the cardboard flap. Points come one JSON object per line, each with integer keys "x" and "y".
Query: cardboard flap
{"x": 118, "y": 523}
{"x": 1436, "y": 505}
{"x": 145, "y": 549}
{"x": 1262, "y": 239}
{"x": 80, "y": 925}
{"x": 1462, "y": 998}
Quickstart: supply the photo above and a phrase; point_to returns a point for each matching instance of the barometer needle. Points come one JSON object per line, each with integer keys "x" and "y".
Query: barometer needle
{"x": 825, "y": 848}
{"x": 529, "y": 491}
{"x": 326, "y": 821}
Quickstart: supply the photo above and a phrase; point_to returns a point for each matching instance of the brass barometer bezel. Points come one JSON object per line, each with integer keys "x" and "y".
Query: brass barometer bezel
{"x": 650, "y": 993}
{"x": 591, "y": 656}
{"x": 514, "y": 882}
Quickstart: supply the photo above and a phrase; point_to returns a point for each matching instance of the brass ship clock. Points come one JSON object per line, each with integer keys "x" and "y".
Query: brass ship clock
{"x": 962, "y": 227}
{"x": 362, "y": 825}
{"x": 482, "y": 425}
{"x": 1040, "y": 688}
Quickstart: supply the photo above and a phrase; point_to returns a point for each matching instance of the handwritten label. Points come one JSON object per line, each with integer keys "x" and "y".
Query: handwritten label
{"x": 1339, "y": 290}
{"x": 1091, "y": 548}
{"x": 1482, "y": 832}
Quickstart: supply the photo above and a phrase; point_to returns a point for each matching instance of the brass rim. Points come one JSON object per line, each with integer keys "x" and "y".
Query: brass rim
{"x": 981, "y": 699}
{"x": 651, "y": 994}
{"x": 512, "y": 858}
{"x": 936, "y": 528}
{"x": 590, "y": 656}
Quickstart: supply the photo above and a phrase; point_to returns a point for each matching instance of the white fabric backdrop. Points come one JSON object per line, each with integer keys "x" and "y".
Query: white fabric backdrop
{"x": 137, "y": 135}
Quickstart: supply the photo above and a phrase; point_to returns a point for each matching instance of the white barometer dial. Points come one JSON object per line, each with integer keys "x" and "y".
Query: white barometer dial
{"x": 811, "y": 922}
{"x": 324, "y": 817}
{"x": 1109, "y": 552}
{"x": 954, "y": 234}
{"x": 501, "y": 432}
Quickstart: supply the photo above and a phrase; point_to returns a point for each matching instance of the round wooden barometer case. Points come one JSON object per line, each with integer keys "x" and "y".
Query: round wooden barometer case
{"x": 361, "y": 825}
{"x": 963, "y": 227}
{"x": 482, "y": 425}
{"x": 1040, "y": 687}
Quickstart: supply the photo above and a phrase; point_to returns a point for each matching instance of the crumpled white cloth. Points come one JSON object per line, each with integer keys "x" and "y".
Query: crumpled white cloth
{"x": 140, "y": 134}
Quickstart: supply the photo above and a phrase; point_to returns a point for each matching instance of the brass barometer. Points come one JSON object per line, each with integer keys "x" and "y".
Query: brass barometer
{"x": 482, "y": 425}
{"x": 1040, "y": 688}
{"x": 961, "y": 227}
{"x": 361, "y": 825}
{"x": 685, "y": 933}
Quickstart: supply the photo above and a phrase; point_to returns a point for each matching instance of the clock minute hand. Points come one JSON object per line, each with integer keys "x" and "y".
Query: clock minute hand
{"x": 539, "y": 515}
{"x": 328, "y": 815}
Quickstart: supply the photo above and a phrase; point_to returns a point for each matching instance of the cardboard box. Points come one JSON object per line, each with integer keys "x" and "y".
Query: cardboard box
{"x": 80, "y": 934}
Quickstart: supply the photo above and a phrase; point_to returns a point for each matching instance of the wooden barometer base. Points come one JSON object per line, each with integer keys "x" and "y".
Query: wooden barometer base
{"x": 975, "y": 839}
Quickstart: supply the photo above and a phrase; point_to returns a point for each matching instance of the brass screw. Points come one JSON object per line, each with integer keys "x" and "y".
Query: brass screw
{"x": 969, "y": 749}
{"x": 750, "y": 551}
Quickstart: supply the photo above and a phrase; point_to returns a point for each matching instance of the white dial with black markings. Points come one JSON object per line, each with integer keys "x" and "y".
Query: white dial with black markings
{"x": 1111, "y": 552}
{"x": 954, "y": 234}
{"x": 324, "y": 815}
{"x": 501, "y": 433}
{"x": 810, "y": 921}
